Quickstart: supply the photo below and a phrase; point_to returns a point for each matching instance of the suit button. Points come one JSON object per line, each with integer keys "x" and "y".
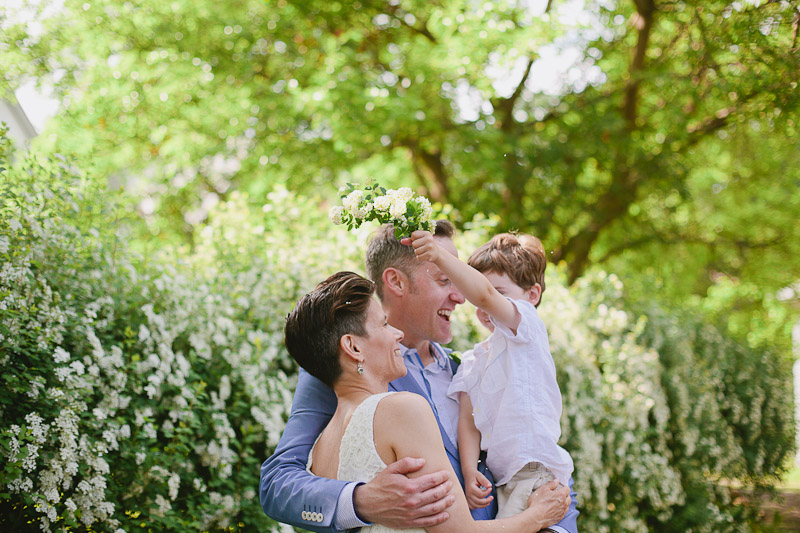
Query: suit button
{"x": 313, "y": 517}
{"x": 319, "y": 517}
{"x": 304, "y": 515}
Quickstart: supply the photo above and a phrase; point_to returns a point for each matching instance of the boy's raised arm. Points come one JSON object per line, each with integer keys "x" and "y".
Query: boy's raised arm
{"x": 472, "y": 284}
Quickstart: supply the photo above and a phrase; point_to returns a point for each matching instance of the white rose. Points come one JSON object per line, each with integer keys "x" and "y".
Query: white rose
{"x": 405, "y": 193}
{"x": 335, "y": 214}
{"x": 425, "y": 205}
{"x": 382, "y": 203}
{"x": 352, "y": 200}
{"x": 398, "y": 208}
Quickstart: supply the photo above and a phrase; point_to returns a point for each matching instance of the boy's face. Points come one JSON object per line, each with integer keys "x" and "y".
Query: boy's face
{"x": 507, "y": 287}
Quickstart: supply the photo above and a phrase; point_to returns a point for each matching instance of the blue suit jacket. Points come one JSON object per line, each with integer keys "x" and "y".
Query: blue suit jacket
{"x": 291, "y": 495}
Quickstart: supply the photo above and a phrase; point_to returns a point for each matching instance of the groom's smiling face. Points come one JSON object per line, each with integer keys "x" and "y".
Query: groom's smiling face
{"x": 433, "y": 298}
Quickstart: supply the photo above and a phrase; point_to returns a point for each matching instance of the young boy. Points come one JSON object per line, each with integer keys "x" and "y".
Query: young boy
{"x": 510, "y": 404}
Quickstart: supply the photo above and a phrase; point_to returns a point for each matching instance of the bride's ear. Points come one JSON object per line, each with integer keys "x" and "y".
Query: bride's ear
{"x": 349, "y": 346}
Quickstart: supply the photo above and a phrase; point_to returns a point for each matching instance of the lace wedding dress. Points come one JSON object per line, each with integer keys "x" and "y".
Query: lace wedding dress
{"x": 358, "y": 458}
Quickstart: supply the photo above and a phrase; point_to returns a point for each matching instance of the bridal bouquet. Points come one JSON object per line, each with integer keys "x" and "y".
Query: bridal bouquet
{"x": 397, "y": 207}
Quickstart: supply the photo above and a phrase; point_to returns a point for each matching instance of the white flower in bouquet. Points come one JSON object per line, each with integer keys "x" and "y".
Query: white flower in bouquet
{"x": 382, "y": 203}
{"x": 352, "y": 200}
{"x": 425, "y": 205}
{"x": 403, "y": 193}
{"x": 335, "y": 214}
{"x": 398, "y": 208}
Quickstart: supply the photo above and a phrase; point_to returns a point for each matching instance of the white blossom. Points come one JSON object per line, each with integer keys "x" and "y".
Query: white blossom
{"x": 335, "y": 214}
{"x": 382, "y": 203}
{"x": 174, "y": 484}
{"x": 60, "y": 355}
{"x": 352, "y": 201}
{"x": 398, "y": 208}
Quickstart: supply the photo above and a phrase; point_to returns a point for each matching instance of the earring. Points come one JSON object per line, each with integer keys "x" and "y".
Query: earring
{"x": 360, "y": 369}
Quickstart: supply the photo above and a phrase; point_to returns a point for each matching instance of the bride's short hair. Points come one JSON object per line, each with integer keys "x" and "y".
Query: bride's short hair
{"x": 336, "y": 307}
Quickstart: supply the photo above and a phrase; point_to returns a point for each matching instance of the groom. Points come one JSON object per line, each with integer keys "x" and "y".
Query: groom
{"x": 418, "y": 299}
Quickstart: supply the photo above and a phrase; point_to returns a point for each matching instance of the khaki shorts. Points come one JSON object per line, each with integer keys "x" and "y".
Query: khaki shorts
{"x": 512, "y": 498}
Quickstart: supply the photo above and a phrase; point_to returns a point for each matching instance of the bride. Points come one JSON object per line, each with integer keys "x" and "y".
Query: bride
{"x": 339, "y": 334}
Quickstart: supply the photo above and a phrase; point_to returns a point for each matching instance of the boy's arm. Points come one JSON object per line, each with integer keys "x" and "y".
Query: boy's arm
{"x": 472, "y": 284}
{"x": 469, "y": 450}
{"x": 469, "y": 438}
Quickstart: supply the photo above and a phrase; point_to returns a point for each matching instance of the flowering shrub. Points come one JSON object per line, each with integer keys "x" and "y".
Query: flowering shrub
{"x": 142, "y": 393}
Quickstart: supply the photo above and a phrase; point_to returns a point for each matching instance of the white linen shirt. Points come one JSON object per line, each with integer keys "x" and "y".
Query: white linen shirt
{"x": 516, "y": 402}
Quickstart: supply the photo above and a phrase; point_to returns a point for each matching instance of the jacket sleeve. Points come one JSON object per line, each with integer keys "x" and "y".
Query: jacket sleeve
{"x": 289, "y": 493}
{"x": 568, "y": 524}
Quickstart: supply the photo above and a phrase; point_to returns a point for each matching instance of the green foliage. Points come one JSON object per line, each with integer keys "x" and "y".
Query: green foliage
{"x": 673, "y": 134}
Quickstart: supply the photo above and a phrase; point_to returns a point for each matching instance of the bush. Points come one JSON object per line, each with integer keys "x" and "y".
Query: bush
{"x": 140, "y": 393}
{"x": 143, "y": 392}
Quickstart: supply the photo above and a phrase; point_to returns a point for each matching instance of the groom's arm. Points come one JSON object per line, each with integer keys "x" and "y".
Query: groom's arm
{"x": 289, "y": 493}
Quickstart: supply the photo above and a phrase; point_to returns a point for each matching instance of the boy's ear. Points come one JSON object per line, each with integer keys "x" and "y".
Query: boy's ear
{"x": 395, "y": 281}
{"x": 534, "y": 294}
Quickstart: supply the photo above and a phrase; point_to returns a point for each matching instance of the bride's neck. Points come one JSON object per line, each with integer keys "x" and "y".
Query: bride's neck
{"x": 354, "y": 390}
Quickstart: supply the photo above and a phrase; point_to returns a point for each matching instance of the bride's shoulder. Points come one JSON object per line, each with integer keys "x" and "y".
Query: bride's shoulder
{"x": 404, "y": 399}
{"x": 399, "y": 405}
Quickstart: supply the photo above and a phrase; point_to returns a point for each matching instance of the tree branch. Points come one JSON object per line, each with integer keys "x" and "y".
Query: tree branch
{"x": 679, "y": 238}
{"x": 643, "y": 21}
{"x": 429, "y": 168}
{"x": 423, "y": 30}
{"x": 506, "y": 105}
{"x": 611, "y": 205}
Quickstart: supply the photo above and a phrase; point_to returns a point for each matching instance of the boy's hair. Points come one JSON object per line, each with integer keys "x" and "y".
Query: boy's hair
{"x": 336, "y": 307}
{"x": 518, "y": 256}
{"x": 385, "y": 251}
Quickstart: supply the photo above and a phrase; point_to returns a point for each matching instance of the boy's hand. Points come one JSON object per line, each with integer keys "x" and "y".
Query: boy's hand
{"x": 425, "y": 246}
{"x": 478, "y": 490}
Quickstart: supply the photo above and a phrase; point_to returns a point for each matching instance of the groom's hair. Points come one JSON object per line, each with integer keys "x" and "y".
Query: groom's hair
{"x": 385, "y": 251}
{"x": 336, "y": 307}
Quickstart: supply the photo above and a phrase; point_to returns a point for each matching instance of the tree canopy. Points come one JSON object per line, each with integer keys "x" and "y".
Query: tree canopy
{"x": 665, "y": 150}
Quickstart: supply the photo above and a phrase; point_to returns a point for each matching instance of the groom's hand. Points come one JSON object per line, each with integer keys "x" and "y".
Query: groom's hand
{"x": 393, "y": 500}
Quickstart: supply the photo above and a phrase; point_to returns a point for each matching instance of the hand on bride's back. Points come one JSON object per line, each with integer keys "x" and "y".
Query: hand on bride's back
{"x": 551, "y": 501}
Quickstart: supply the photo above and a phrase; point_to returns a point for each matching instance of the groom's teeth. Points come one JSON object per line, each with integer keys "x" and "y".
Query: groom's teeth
{"x": 444, "y": 312}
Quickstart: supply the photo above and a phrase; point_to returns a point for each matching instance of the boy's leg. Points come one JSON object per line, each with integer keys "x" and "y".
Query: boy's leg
{"x": 512, "y": 498}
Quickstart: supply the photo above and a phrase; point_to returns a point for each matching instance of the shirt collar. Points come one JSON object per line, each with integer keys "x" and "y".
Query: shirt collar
{"x": 439, "y": 356}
